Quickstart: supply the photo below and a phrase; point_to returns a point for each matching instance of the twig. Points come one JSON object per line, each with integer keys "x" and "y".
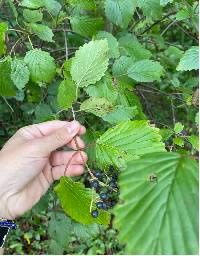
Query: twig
{"x": 8, "y": 104}
{"x": 168, "y": 26}
{"x": 173, "y": 114}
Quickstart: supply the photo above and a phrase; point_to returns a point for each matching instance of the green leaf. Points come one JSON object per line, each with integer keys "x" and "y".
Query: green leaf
{"x": 178, "y": 127}
{"x": 119, "y": 12}
{"x": 41, "y": 65}
{"x": 42, "y": 31}
{"x": 126, "y": 141}
{"x": 90, "y": 63}
{"x": 162, "y": 216}
{"x": 151, "y": 8}
{"x": 190, "y": 60}
{"x": 120, "y": 113}
{"x": 19, "y": 73}
{"x": 97, "y": 106}
{"x": 145, "y": 71}
{"x": 53, "y": 7}
{"x": 7, "y": 87}
{"x": 103, "y": 89}
{"x": 112, "y": 43}
{"x": 165, "y": 2}
{"x": 131, "y": 47}
{"x": 197, "y": 119}
{"x": 13, "y": 8}
{"x": 85, "y": 25}
{"x": 32, "y": 4}
{"x": 66, "y": 94}
{"x": 43, "y": 112}
{"x": 3, "y": 29}
{"x": 84, "y": 232}
{"x": 76, "y": 200}
{"x": 84, "y": 4}
{"x": 182, "y": 15}
{"x": 32, "y": 15}
{"x": 178, "y": 141}
{"x": 194, "y": 140}
{"x": 165, "y": 133}
{"x": 120, "y": 68}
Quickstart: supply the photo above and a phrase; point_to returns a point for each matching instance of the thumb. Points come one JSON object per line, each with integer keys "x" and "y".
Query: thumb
{"x": 60, "y": 137}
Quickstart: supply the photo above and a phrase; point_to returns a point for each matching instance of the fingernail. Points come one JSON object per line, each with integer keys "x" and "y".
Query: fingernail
{"x": 73, "y": 126}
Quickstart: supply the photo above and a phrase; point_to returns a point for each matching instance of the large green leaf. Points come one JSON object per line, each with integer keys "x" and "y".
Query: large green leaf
{"x": 20, "y": 73}
{"x": 90, "y": 63}
{"x": 7, "y": 87}
{"x": 151, "y": 8}
{"x": 120, "y": 113}
{"x": 104, "y": 89}
{"x": 112, "y": 43}
{"x": 66, "y": 94}
{"x": 42, "y": 31}
{"x": 32, "y": 4}
{"x": 119, "y": 12}
{"x": 97, "y": 106}
{"x": 131, "y": 47}
{"x": 190, "y": 60}
{"x": 121, "y": 66}
{"x": 159, "y": 201}
{"x": 145, "y": 71}
{"x": 76, "y": 200}
{"x": 3, "y": 28}
{"x": 85, "y": 25}
{"x": 41, "y": 65}
{"x": 126, "y": 141}
{"x": 53, "y": 6}
{"x": 32, "y": 15}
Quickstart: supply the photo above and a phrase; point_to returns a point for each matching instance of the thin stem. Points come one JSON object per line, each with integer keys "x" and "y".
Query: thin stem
{"x": 30, "y": 42}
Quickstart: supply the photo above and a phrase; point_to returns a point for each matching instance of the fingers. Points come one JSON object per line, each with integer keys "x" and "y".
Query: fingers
{"x": 72, "y": 170}
{"x": 66, "y": 157}
{"x": 76, "y": 145}
{"x": 59, "y": 138}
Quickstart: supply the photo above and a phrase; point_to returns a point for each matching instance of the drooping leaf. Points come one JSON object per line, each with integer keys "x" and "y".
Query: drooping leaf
{"x": 151, "y": 8}
{"x": 32, "y": 4}
{"x": 112, "y": 43}
{"x": 178, "y": 127}
{"x": 42, "y": 31}
{"x": 66, "y": 94}
{"x": 121, "y": 66}
{"x": 3, "y": 28}
{"x": 165, "y": 133}
{"x": 90, "y": 63}
{"x": 131, "y": 47}
{"x": 41, "y": 65}
{"x": 119, "y": 12}
{"x": 190, "y": 60}
{"x": 194, "y": 140}
{"x": 19, "y": 73}
{"x": 164, "y": 187}
{"x": 120, "y": 113}
{"x": 126, "y": 141}
{"x": 145, "y": 71}
{"x": 103, "y": 89}
{"x": 76, "y": 200}
{"x": 97, "y": 106}
{"x": 32, "y": 15}
{"x": 7, "y": 87}
{"x": 53, "y": 6}
{"x": 85, "y": 25}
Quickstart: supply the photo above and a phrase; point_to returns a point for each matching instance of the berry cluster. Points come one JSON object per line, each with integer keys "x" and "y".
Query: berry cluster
{"x": 105, "y": 183}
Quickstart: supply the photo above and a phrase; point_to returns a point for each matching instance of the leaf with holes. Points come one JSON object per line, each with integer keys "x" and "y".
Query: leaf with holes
{"x": 90, "y": 63}
{"x": 76, "y": 200}
{"x": 164, "y": 187}
{"x": 19, "y": 73}
{"x": 41, "y": 65}
{"x": 126, "y": 141}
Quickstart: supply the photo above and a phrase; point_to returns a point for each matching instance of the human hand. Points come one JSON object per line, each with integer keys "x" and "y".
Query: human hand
{"x": 29, "y": 163}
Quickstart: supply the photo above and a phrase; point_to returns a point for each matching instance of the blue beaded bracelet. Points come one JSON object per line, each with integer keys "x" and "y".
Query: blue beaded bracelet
{"x": 9, "y": 224}
{"x": 5, "y": 227}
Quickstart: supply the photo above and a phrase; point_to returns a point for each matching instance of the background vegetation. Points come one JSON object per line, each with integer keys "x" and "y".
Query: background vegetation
{"x": 142, "y": 66}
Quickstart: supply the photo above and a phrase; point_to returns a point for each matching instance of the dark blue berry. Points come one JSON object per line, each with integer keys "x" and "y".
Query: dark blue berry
{"x": 103, "y": 196}
{"x": 98, "y": 174}
{"x": 94, "y": 184}
{"x": 99, "y": 205}
{"x": 95, "y": 213}
{"x": 113, "y": 203}
{"x": 115, "y": 177}
{"x": 112, "y": 184}
{"x": 104, "y": 206}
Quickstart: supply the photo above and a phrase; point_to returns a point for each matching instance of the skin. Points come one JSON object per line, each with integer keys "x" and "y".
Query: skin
{"x": 30, "y": 162}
